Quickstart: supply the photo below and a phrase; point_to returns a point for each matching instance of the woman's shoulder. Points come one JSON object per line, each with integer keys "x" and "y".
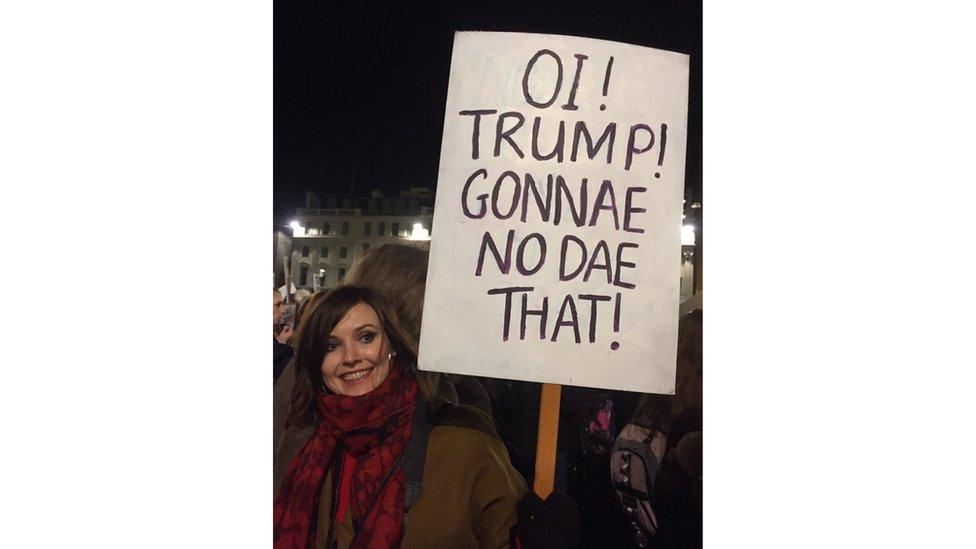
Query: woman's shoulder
{"x": 462, "y": 416}
{"x": 463, "y": 430}
{"x": 464, "y": 444}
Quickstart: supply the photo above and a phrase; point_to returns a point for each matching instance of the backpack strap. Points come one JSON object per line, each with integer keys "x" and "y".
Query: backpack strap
{"x": 415, "y": 455}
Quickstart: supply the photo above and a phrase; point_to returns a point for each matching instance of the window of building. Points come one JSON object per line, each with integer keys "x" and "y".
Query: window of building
{"x": 367, "y": 229}
{"x": 303, "y": 276}
{"x": 342, "y": 273}
{"x": 324, "y": 252}
{"x": 395, "y": 229}
{"x": 345, "y": 228}
{"x": 304, "y": 251}
{"x": 342, "y": 252}
{"x": 365, "y": 246}
{"x": 381, "y": 229}
{"x": 326, "y": 229}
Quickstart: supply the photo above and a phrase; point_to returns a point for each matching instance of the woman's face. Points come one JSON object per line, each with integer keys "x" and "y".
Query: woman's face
{"x": 357, "y": 357}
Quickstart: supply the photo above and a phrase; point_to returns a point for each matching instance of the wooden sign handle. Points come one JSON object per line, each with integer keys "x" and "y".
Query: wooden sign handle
{"x": 548, "y": 435}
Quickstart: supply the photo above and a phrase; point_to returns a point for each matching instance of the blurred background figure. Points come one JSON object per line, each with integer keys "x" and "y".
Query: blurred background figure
{"x": 299, "y": 298}
{"x": 656, "y": 463}
{"x": 282, "y": 333}
{"x": 307, "y": 306}
{"x": 678, "y": 490}
{"x": 589, "y": 420}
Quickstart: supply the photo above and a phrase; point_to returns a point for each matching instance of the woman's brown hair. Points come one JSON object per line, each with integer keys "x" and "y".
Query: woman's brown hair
{"x": 315, "y": 328}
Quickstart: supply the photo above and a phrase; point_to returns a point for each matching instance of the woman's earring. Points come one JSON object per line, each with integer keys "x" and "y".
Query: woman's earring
{"x": 390, "y": 358}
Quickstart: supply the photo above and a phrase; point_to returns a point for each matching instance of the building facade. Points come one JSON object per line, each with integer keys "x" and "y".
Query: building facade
{"x": 330, "y": 234}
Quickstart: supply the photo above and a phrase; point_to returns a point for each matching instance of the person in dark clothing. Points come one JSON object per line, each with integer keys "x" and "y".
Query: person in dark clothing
{"x": 282, "y": 354}
{"x": 678, "y": 490}
{"x": 590, "y": 422}
{"x": 675, "y": 487}
{"x": 282, "y": 351}
{"x": 582, "y": 454}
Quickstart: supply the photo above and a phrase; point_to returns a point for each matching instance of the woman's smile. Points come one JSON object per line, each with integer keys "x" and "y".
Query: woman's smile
{"x": 356, "y": 377}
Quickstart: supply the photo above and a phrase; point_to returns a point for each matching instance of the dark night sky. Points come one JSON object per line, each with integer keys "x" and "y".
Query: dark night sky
{"x": 360, "y": 87}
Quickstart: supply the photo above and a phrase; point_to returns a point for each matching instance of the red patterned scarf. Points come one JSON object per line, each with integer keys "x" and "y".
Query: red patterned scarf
{"x": 374, "y": 428}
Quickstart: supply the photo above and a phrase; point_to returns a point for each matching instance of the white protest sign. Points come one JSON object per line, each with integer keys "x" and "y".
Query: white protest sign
{"x": 556, "y": 244}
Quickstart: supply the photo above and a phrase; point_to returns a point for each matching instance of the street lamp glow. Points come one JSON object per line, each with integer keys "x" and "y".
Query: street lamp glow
{"x": 294, "y": 224}
{"x": 419, "y": 232}
{"x": 688, "y": 235}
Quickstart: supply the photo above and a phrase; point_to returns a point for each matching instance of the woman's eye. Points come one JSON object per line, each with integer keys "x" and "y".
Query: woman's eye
{"x": 367, "y": 337}
{"x": 331, "y": 346}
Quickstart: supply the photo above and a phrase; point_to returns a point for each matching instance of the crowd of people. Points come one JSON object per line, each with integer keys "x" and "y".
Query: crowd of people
{"x": 369, "y": 451}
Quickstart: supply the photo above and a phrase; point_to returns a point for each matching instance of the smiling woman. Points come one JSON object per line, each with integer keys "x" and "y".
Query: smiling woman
{"x": 352, "y": 331}
{"x": 365, "y": 431}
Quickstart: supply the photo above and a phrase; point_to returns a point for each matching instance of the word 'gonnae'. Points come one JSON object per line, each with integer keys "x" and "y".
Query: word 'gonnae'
{"x": 503, "y": 205}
